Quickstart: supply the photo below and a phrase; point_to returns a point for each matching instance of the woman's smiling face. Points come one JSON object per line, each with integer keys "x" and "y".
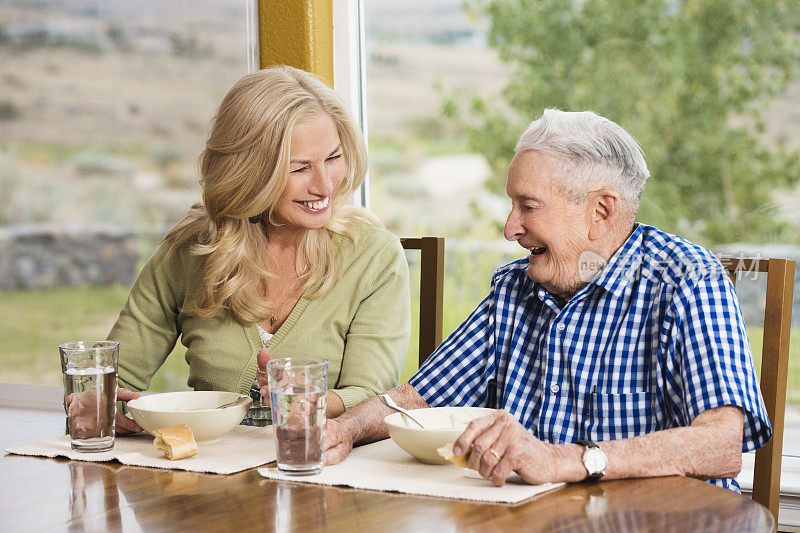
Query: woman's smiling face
{"x": 316, "y": 170}
{"x": 544, "y": 221}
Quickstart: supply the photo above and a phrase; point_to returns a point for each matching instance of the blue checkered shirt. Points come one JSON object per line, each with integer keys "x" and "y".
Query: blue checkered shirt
{"x": 653, "y": 341}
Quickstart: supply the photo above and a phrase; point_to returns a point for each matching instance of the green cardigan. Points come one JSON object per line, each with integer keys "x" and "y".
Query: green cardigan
{"x": 361, "y": 325}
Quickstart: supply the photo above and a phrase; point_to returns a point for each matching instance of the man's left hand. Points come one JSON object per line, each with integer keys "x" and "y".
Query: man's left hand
{"x": 498, "y": 445}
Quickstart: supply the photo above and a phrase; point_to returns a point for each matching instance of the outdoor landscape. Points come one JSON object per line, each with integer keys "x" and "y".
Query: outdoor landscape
{"x": 104, "y": 107}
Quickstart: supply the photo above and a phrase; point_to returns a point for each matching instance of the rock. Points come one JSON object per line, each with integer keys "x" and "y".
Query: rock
{"x": 34, "y": 256}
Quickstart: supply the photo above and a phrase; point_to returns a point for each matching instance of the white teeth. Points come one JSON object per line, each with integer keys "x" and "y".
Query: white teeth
{"x": 318, "y": 205}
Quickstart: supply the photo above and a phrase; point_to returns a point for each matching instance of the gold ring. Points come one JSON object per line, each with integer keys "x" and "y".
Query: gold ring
{"x": 262, "y": 372}
{"x": 497, "y": 455}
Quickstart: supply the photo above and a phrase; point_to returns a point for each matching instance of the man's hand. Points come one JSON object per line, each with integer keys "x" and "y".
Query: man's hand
{"x": 709, "y": 448}
{"x": 364, "y": 422}
{"x": 338, "y": 441}
{"x": 123, "y": 424}
{"x": 498, "y": 445}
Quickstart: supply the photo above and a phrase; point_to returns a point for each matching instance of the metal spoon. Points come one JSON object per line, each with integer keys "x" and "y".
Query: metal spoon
{"x": 387, "y": 400}
{"x": 237, "y": 401}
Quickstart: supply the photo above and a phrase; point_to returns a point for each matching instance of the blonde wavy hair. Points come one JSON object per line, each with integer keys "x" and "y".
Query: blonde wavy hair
{"x": 244, "y": 168}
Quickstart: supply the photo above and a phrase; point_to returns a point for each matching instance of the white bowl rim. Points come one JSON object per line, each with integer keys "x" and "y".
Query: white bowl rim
{"x": 135, "y": 403}
{"x": 414, "y": 428}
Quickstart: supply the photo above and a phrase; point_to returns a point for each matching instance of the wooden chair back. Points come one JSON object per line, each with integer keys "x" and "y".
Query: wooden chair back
{"x": 431, "y": 291}
{"x": 774, "y": 368}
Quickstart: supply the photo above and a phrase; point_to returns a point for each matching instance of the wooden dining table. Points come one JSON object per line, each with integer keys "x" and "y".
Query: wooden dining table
{"x": 41, "y": 494}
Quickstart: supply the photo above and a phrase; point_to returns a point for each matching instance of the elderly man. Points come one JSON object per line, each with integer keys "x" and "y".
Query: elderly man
{"x": 614, "y": 349}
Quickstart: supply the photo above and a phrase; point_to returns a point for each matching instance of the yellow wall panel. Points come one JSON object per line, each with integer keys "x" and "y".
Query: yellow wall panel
{"x": 297, "y": 33}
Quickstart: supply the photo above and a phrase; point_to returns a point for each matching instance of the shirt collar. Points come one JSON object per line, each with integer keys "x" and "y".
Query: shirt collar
{"x": 527, "y": 287}
{"x": 621, "y": 269}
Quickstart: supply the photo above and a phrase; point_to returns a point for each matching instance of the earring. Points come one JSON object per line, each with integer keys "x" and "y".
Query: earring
{"x": 255, "y": 219}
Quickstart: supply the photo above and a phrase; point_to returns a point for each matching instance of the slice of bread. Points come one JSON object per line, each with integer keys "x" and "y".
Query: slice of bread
{"x": 176, "y": 442}
{"x": 446, "y": 452}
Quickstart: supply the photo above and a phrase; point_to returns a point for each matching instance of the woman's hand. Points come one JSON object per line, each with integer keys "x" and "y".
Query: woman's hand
{"x": 123, "y": 424}
{"x": 334, "y": 407}
{"x": 261, "y": 374}
{"x": 88, "y": 414}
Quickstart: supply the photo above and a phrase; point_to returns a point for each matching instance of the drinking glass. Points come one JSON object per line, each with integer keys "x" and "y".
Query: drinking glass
{"x": 297, "y": 391}
{"x": 89, "y": 370}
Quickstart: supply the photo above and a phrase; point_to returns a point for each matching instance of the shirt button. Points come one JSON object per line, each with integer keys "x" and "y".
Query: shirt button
{"x": 560, "y": 326}
{"x": 554, "y": 388}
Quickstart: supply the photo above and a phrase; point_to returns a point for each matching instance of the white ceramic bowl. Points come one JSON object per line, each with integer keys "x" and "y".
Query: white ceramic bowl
{"x": 446, "y": 425}
{"x": 171, "y": 408}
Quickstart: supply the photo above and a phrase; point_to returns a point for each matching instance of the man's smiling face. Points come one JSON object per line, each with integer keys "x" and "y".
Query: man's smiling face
{"x": 544, "y": 221}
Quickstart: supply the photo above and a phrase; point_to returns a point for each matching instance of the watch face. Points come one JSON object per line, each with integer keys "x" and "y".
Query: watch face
{"x": 595, "y": 460}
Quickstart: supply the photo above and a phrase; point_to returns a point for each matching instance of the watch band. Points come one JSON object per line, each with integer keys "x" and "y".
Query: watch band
{"x": 591, "y": 445}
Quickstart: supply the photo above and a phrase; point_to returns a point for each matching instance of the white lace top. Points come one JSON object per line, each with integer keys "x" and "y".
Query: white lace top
{"x": 265, "y": 335}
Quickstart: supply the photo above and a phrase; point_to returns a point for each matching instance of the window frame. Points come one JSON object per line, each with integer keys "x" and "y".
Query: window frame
{"x": 349, "y": 71}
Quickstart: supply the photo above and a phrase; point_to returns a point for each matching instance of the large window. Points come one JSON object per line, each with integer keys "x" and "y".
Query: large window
{"x": 425, "y": 179}
{"x": 104, "y": 109}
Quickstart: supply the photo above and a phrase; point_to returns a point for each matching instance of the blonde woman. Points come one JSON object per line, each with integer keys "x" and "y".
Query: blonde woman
{"x": 273, "y": 262}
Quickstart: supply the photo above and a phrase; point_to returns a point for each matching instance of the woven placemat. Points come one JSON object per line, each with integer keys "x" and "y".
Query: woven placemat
{"x": 384, "y": 466}
{"x": 244, "y": 447}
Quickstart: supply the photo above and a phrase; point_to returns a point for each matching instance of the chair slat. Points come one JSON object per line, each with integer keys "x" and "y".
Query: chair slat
{"x": 431, "y": 291}
{"x": 745, "y": 264}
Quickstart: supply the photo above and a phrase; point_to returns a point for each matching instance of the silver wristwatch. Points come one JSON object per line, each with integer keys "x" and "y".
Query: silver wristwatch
{"x": 594, "y": 459}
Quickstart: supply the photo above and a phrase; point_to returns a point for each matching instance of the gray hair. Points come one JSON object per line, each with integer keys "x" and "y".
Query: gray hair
{"x": 594, "y": 153}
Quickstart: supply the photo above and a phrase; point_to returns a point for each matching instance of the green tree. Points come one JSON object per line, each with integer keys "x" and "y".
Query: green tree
{"x": 688, "y": 78}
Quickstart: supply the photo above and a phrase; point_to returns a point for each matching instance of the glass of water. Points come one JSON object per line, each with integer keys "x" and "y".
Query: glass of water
{"x": 89, "y": 370}
{"x": 297, "y": 391}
